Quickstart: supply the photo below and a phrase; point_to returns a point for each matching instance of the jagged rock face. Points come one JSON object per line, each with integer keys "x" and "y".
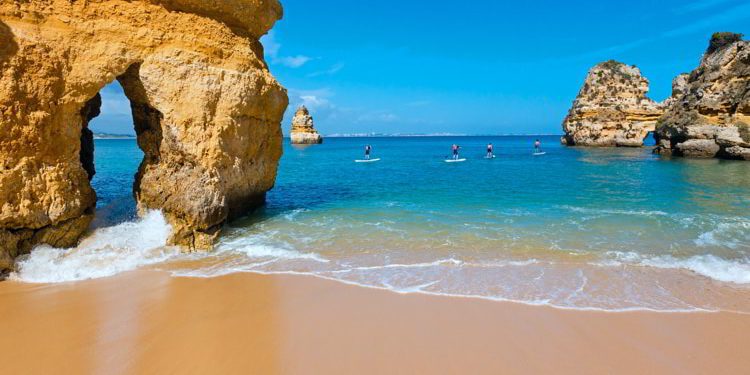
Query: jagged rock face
{"x": 303, "y": 128}
{"x": 207, "y": 112}
{"x": 710, "y": 116}
{"x": 679, "y": 88}
{"x": 612, "y": 108}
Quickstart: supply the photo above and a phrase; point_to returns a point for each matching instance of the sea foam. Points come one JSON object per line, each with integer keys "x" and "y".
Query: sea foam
{"x": 733, "y": 235}
{"x": 253, "y": 246}
{"x": 711, "y": 266}
{"x": 105, "y": 252}
{"x": 707, "y": 265}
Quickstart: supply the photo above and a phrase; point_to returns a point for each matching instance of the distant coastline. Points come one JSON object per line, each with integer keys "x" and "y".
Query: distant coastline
{"x": 406, "y": 135}
{"x": 112, "y": 136}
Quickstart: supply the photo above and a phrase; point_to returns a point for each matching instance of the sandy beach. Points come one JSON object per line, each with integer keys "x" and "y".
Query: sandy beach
{"x": 148, "y": 322}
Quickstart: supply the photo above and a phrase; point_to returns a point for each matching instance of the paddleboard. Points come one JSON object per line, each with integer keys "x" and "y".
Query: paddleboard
{"x": 367, "y": 161}
{"x": 455, "y": 161}
{"x": 490, "y": 157}
{"x": 540, "y": 153}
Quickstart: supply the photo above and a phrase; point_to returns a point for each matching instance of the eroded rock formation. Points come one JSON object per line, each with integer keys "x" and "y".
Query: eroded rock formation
{"x": 679, "y": 88}
{"x": 303, "y": 128}
{"x": 207, "y": 112}
{"x": 612, "y": 108}
{"x": 709, "y": 115}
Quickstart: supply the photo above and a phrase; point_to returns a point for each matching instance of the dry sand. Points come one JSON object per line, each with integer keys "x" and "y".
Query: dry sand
{"x": 150, "y": 323}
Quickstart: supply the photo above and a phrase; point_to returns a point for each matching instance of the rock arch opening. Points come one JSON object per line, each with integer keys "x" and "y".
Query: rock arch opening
{"x": 110, "y": 152}
{"x": 650, "y": 139}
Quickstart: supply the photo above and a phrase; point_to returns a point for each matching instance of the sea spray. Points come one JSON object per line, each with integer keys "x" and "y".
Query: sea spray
{"x": 105, "y": 252}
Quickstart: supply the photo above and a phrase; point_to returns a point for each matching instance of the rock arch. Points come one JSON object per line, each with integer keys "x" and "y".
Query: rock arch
{"x": 207, "y": 112}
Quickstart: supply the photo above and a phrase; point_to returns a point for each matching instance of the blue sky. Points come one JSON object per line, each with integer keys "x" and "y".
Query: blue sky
{"x": 475, "y": 67}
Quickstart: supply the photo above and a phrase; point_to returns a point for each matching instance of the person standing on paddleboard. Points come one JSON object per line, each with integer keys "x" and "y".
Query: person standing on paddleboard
{"x": 490, "y": 151}
{"x": 455, "y": 149}
{"x": 368, "y": 149}
{"x": 538, "y": 147}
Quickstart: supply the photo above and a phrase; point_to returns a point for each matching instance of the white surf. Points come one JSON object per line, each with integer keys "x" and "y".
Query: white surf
{"x": 105, "y": 252}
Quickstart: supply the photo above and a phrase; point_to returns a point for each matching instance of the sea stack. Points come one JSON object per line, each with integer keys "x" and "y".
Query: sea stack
{"x": 303, "y": 128}
{"x": 612, "y": 109}
{"x": 207, "y": 113}
{"x": 709, "y": 113}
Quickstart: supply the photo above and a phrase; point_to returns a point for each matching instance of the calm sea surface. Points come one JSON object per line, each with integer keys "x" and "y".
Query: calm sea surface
{"x": 612, "y": 229}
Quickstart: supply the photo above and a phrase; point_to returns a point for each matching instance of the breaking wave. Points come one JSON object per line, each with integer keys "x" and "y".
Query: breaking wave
{"x": 711, "y": 266}
{"x": 106, "y": 252}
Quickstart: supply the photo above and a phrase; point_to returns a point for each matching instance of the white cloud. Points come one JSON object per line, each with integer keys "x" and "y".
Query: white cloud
{"x": 293, "y": 61}
{"x": 314, "y": 100}
{"x": 320, "y": 104}
{"x": 330, "y": 71}
{"x": 273, "y": 49}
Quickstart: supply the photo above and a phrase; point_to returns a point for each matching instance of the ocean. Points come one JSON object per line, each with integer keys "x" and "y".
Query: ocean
{"x": 580, "y": 228}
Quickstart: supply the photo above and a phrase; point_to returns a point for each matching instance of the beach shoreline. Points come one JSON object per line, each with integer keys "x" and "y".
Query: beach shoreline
{"x": 151, "y": 322}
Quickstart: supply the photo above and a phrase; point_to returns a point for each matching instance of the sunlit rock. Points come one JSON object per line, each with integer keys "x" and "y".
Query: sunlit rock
{"x": 612, "y": 108}
{"x": 207, "y": 112}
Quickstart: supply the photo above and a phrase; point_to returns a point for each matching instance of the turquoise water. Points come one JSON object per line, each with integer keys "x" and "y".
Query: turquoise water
{"x": 577, "y": 228}
{"x": 116, "y": 162}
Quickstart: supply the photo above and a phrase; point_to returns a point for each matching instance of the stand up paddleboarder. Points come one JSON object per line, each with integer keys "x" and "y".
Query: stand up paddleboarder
{"x": 538, "y": 147}
{"x": 455, "y": 149}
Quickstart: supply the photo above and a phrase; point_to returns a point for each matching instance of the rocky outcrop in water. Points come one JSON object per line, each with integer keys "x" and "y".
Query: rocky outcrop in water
{"x": 709, "y": 115}
{"x": 303, "y": 128}
{"x": 207, "y": 112}
{"x": 612, "y": 108}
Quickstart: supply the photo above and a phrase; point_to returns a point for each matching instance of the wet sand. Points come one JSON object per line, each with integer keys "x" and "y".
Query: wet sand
{"x": 149, "y": 323}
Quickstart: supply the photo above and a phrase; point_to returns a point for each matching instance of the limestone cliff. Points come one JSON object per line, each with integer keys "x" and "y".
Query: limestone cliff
{"x": 679, "y": 88}
{"x": 207, "y": 112}
{"x": 303, "y": 128}
{"x": 612, "y": 108}
{"x": 710, "y": 115}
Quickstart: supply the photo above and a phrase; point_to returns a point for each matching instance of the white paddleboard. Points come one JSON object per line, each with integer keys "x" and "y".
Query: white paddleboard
{"x": 367, "y": 161}
{"x": 455, "y": 161}
{"x": 490, "y": 157}
{"x": 540, "y": 153}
